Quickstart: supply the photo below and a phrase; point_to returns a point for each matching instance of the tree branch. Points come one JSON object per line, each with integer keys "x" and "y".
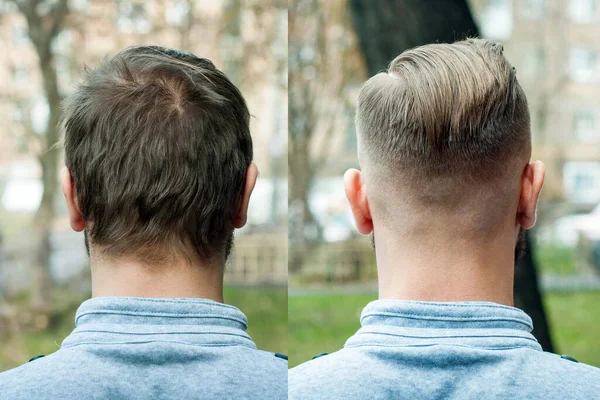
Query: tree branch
{"x": 58, "y": 13}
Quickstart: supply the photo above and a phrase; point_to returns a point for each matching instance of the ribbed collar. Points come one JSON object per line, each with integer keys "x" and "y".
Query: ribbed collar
{"x": 111, "y": 320}
{"x": 411, "y": 323}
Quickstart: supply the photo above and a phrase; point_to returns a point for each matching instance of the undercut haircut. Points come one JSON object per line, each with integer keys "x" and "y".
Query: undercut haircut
{"x": 444, "y": 110}
{"x": 158, "y": 144}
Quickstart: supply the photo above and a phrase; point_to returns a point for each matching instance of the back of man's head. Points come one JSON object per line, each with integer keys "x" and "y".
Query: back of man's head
{"x": 444, "y": 131}
{"x": 158, "y": 145}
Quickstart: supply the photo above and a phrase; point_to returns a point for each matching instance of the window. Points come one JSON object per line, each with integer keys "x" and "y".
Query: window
{"x": 80, "y": 5}
{"x": 533, "y": 62}
{"x": 20, "y": 75}
{"x": 582, "y": 181}
{"x": 63, "y": 73}
{"x": 19, "y": 113}
{"x": 496, "y": 20}
{"x": 177, "y": 13}
{"x": 63, "y": 43}
{"x": 582, "y": 11}
{"x": 40, "y": 114}
{"x": 583, "y": 65}
{"x": 532, "y": 10}
{"x": 350, "y": 142}
{"x": 133, "y": 18}
{"x": 585, "y": 127}
{"x": 20, "y": 36}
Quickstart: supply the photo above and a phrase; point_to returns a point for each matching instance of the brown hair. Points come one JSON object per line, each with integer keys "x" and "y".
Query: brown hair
{"x": 444, "y": 109}
{"x": 158, "y": 144}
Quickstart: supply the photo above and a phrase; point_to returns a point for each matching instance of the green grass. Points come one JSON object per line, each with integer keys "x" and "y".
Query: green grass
{"x": 556, "y": 260}
{"x": 321, "y": 323}
{"x": 575, "y": 321}
{"x": 265, "y": 307}
{"x": 14, "y": 222}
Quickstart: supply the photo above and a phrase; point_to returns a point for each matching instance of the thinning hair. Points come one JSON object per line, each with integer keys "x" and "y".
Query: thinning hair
{"x": 442, "y": 119}
{"x": 158, "y": 143}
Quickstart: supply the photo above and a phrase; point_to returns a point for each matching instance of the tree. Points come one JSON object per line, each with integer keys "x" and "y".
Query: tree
{"x": 45, "y": 20}
{"x": 382, "y": 38}
{"x": 321, "y": 63}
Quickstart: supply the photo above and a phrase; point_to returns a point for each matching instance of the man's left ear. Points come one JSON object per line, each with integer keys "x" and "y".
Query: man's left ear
{"x": 354, "y": 186}
{"x": 68, "y": 188}
{"x": 241, "y": 216}
{"x": 532, "y": 181}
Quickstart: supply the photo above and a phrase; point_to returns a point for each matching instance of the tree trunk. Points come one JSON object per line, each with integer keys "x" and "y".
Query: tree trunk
{"x": 388, "y": 27}
{"x": 302, "y": 122}
{"x": 42, "y": 30}
{"x": 300, "y": 178}
{"x": 48, "y": 159}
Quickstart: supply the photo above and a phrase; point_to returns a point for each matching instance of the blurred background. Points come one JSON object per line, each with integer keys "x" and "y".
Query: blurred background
{"x": 45, "y": 44}
{"x": 334, "y": 46}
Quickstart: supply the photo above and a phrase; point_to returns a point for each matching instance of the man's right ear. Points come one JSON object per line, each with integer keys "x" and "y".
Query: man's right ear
{"x": 532, "y": 181}
{"x": 68, "y": 188}
{"x": 357, "y": 197}
{"x": 241, "y": 216}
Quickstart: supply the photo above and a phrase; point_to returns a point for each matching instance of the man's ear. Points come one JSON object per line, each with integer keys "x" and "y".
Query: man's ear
{"x": 357, "y": 197}
{"x": 532, "y": 181}
{"x": 68, "y": 188}
{"x": 241, "y": 216}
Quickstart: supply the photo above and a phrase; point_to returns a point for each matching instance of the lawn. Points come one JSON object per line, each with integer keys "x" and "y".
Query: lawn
{"x": 267, "y": 315}
{"x": 575, "y": 321}
{"x": 265, "y": 308}
{"x": 556, "y": 260}
{"x": 321, "y": 323}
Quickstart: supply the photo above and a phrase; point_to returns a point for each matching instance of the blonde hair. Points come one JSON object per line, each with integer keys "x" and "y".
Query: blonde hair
{"x": 444, "y": 109}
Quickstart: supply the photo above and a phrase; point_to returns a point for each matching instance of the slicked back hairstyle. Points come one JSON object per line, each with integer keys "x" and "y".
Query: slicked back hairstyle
{"x": 444, "y": 110}
{"x": 158, "y": 144}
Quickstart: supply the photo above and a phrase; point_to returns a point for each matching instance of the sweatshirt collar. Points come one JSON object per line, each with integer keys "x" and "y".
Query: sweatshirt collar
{"x": 134, "y": 319}
{"x": 477, "y": 324}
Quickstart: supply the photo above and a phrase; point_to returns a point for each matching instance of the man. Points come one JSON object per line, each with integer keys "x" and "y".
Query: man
{"x": 446, "y": 188}
{"x": 158, "y": 174}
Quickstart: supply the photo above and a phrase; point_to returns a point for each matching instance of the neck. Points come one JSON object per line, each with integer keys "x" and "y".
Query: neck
{"x": 445, "y": 268}
{"x": 128, "y": 277}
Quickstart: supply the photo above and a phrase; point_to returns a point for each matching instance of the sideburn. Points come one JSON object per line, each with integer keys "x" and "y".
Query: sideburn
{"x": 86, "y": 241}
{"x": 520, "y": 246}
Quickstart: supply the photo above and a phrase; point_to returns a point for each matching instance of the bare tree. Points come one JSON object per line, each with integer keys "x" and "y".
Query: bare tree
{"x": 45, "y": 20}
{"x": 322, "y": 61}
{"x": 257, "y": 58}
{"x": 383, "y": 38}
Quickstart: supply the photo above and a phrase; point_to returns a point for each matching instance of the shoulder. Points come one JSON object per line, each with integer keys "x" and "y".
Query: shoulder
{"x": 344, "y": 374}
{"x": 327, "y": 367}
{"x": 304, "y": 380}
{"x": 258, "y": 374}
{"x": 41, "y": 375}
{"x": 568, "y": 365}
{"x": 270, "y": 368}
{"x": 278, "y": 361}
{"x": 252, "y": 364}
{"x": 560, "y": 376}
{"x": 40, "y": 365}
{"x": 266, "y": 360}
{"x": 278, "y": 365}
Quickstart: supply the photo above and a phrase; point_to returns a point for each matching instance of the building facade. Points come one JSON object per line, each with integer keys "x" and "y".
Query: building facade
{"x": 554, "y": 46}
